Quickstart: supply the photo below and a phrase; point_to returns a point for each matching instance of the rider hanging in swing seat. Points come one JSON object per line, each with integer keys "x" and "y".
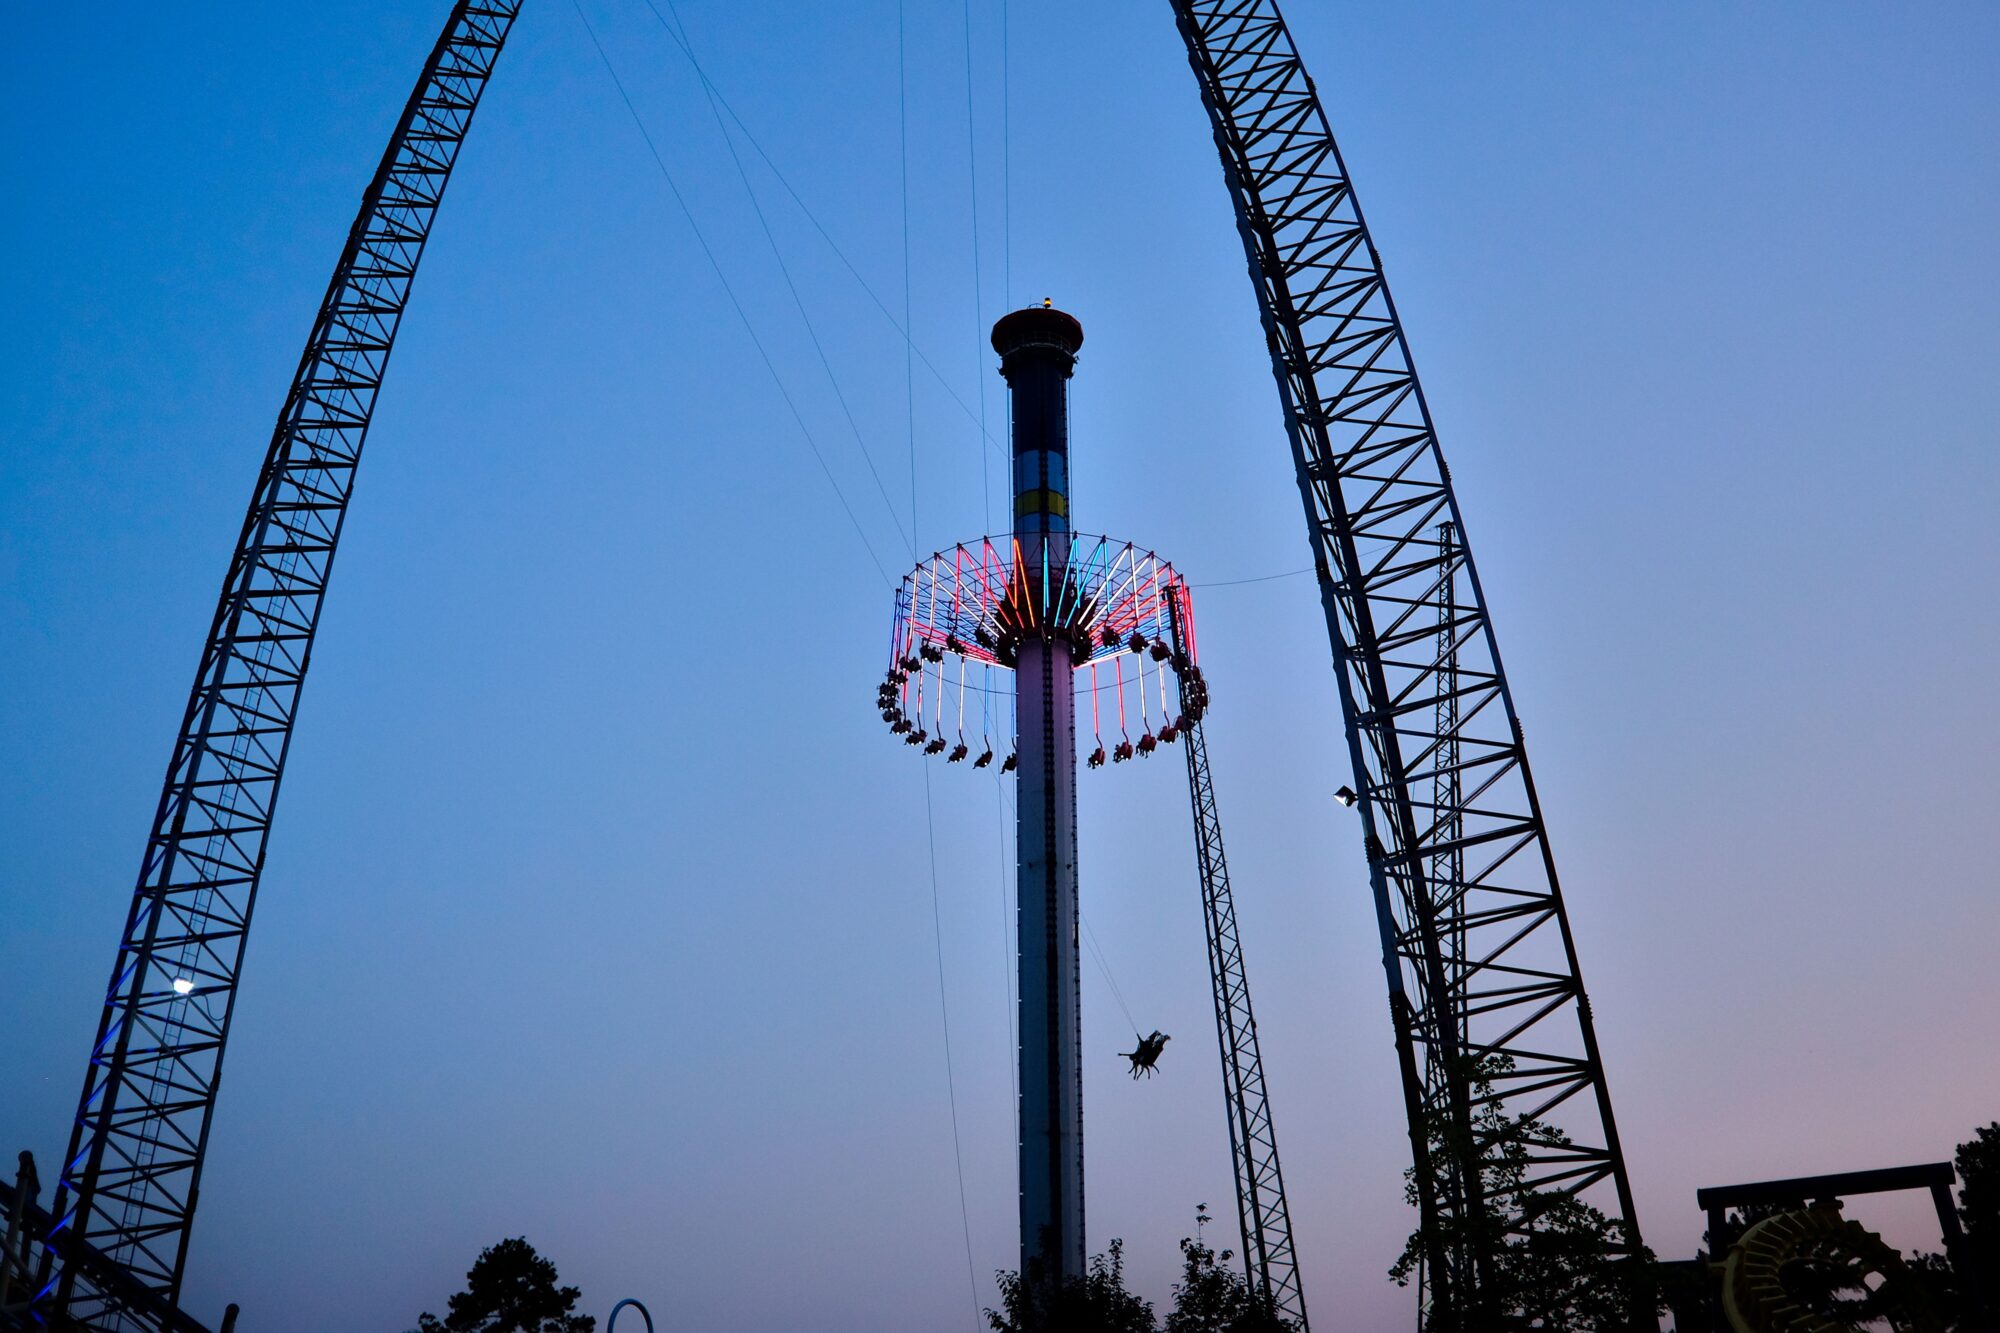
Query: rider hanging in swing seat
{"x": 1148, "y": 1053}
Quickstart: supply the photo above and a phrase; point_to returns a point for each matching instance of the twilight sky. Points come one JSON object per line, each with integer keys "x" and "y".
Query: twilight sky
{"x": 599, "y": 907}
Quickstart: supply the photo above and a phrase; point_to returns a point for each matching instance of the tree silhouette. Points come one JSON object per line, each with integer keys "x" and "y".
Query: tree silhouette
{"x": 1210, "y": 1298}
{"x": 1563, "y": 1265}
{"x": 510, "y": 1289}
{"x": 1978, "y": 1163}
{"x": 1094, "y": 1303}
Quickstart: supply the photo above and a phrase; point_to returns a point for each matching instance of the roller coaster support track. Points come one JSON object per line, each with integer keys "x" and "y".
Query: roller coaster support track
{"x": 1493, "y": 1030}
{"x": 132, "y": 1175}
{"x": 1269, "y": 1258}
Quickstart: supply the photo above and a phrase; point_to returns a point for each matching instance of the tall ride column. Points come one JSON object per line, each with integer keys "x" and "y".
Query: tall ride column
{"x": 1037, "y": 350}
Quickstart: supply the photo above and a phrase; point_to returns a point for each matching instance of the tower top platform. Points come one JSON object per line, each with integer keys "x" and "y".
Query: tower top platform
{"x": 1039, "y": 326}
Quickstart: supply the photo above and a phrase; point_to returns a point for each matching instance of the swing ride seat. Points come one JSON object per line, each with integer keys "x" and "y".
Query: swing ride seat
{"x": 1117, "y": 611}
{"x": 1148, "y": 1053}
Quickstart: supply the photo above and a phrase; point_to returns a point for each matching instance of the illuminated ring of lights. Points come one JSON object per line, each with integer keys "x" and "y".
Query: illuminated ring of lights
{"x": 976, "y": 603}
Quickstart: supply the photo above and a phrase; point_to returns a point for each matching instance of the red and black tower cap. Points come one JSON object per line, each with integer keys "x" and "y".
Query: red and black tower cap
{"x": 1038, "y": 328}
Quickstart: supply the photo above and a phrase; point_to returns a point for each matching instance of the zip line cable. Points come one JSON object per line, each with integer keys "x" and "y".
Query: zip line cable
{"x": 1007, "y": 960}
{"x": 1262, "y": 578}
{"x": 1104, "y": 966}
{"x": 965, "y": 1220}
{"x": 930, "y": 816}
{"x": 901, "y": 327}
{"x": 763, "y": 223}
{"x": 730, "y": 291}
{"x": 1006, "y": 163}
{"x": 652, "y": 148}
{"x": 909, "y": 344}
{"x": 944, "y": 1016}
{"x": 1098, "y": 956}
{"x": 978, "y": 304}
{"x": 720, "y": 108}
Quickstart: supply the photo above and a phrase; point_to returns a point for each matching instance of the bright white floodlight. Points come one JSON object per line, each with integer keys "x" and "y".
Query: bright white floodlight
{"x": 182, "y": 986}
{"x": 1346, "y": 796}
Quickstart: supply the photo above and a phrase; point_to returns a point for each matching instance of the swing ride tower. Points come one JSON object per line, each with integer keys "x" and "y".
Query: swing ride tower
{"x": 1038, "y": 348}
{"x": 1050, "y": 605}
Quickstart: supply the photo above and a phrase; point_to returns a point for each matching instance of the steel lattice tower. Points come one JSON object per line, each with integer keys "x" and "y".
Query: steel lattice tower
{"x": 131, "y": 1178}
{"x": 1270, "y": 1260}
{"x": 1493, "y": 1029}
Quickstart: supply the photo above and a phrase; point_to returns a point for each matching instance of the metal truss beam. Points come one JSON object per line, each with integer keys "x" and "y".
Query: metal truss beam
{"x": 1493, "y": 1028}
{"x": 1269, "y": 1257}
{"x": 132, "y": 1174}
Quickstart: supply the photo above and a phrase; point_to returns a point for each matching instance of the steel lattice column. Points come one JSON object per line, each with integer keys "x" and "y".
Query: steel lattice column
{"x": 131, "y": 1178}
{"x": 1269, "y": 1257}
{"x": 1494, "y": 1035}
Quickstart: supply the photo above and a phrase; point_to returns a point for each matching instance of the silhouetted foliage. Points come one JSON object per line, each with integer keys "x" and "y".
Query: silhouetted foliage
{"x": 1210, "y": 1298}
{"x": 1939, "y": 1282}
{"x": 1978, "y": 1163}
{"x": 1736, "y": 1221}
{"x": 1095, "y": 1303}
{"x": 1566, "y": 1266}
{"x": 510, "y": 1289}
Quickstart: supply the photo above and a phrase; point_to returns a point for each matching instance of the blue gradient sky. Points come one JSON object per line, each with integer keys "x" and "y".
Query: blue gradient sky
{"x": 599, "y": 907}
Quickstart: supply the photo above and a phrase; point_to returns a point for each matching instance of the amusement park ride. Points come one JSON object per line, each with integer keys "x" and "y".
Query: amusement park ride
{"x": 1493, "y": 1030}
